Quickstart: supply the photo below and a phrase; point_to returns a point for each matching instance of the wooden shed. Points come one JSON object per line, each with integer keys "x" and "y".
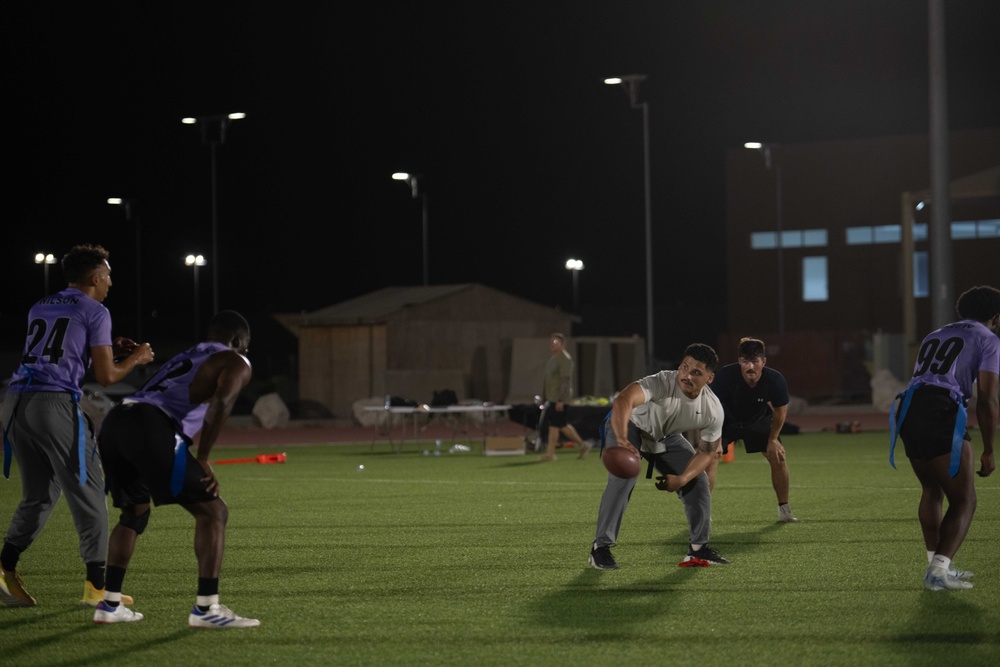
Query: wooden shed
{"x": 412, "y": 341}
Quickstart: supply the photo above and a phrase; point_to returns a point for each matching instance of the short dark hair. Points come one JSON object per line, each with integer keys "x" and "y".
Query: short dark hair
{"x": 81, "y": 260}
{"x": 558, "y": 335}
{"x": 750, "y": 348}
{"x": 227, "y": 323}
{"x": 703, "y": 353}
{"x": 979, "y": 303}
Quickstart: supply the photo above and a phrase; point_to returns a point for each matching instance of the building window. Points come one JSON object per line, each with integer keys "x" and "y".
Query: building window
{"x": 888, "y": 234}
{"x": 763, "y": 240}
{"x": 921, "y": 282}
{"x": 814, "y": 238}
{"x": 815, "y": 286}
{"x": 988, "y": 229}
{"x": 790, "y": 238}
{"x": 859, "y": 235}
{"x": 964, "y": 229}
{"x": 960, "y": 230}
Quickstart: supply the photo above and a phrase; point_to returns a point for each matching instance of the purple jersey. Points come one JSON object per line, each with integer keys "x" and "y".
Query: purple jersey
{"x": 61, "y": 330}
{"x": 952, "y": 357}
{"x": 169, "y": 388}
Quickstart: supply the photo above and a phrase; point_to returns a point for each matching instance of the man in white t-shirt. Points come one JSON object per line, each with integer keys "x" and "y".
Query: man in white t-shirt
{"x": 650, "y": 417}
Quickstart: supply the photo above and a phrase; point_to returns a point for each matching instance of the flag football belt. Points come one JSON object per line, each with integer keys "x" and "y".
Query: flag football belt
{"x": 81, "y": 439}
{"x": 903, "y": 399}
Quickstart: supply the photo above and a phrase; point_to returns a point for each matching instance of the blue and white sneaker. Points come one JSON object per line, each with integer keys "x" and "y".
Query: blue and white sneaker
{"x": 937, "y": 579}
{"x": 219, "y": 616}
{"x": 955, "y": 573}
{"x": 106, "y": 614}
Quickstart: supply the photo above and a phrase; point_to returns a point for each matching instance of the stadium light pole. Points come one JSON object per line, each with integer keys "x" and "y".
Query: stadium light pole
{"x": 575, "y": 265}
{"x": 45, "y": 259}
{"x": 194, "y": 261}
{"x": 413, "y": 180}
{"x": 213, "y": 135}
{"x": 765, "y": 150}
{"x": 126, "y": 206}
{"x": 631, "y": 83}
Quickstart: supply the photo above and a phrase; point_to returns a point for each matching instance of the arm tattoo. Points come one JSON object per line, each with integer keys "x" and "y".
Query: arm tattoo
{"x": 707, "y": 447}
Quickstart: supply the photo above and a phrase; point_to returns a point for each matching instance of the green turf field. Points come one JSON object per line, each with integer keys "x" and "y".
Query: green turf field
{"x": 471, "y": 560}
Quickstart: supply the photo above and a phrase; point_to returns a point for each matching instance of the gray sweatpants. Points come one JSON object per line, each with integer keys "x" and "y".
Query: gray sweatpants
{"x": 42, "y": 427}
{"x": 696, "y": 496}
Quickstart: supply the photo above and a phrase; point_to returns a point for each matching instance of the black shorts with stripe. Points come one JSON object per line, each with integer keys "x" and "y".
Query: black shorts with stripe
{"x": 137, "y": 450}
{"x": 929, "y": 426}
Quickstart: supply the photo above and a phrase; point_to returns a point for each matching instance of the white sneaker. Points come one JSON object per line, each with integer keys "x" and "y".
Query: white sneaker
{"x": 955, "y": 573}
{"x": 785, "y": 514}
{"x": 219, "y": 616}
{"x": 105, "y": 613}
{"x": 937, "y": 579}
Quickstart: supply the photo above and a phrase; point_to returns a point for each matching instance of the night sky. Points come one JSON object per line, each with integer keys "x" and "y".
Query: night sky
{"x": 529, "y": 159}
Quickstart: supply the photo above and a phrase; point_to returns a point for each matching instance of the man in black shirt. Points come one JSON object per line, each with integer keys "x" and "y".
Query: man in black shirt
{"x": 755, "y": 399}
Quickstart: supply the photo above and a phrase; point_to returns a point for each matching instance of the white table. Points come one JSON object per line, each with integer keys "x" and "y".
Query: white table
{"x": 457, "y": 415}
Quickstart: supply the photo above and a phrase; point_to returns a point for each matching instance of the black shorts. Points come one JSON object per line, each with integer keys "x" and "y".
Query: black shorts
{"x": 554, "y": 418}
{"x": 137, "y": 450}
{"x": 753, "y": 434}
{"x": 929, "y": 427}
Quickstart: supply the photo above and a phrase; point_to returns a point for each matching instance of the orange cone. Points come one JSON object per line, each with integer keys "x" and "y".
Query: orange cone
{"x": 730, "y": 454}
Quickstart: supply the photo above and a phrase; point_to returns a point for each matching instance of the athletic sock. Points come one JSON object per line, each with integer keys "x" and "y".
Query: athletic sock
{"x": 95, "y": 574}
{"x": 203, "y": 602}
{"x": 930, "y": 557}
{"x": 939, "y": 561}
{"x": 208, "y": 593}
{"x": 9, "y": 556}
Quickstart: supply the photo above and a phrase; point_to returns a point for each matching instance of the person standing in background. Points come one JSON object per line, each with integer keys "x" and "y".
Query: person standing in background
{"x": 557, "y": 390}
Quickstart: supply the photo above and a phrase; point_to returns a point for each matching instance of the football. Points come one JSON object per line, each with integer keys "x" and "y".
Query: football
{"x": 621, "y": 461}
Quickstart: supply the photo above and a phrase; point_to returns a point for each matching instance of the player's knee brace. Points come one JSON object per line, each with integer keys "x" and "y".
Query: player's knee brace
{"x": 136, "y": 522}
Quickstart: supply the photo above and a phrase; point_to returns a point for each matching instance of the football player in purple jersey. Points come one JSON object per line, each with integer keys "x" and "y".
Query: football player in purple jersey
{"x": 44, "y": 428}
{"x": 931, "y": 422}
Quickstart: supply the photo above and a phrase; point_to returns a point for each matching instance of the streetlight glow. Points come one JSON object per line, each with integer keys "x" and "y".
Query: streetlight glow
{"x": 45, "y": 259}
{"x": 413, "y": 180}
{"x": 575, "y": 265}
{"x": 126, "y": 206}
{"x": 194, "y": 261}
{"x": 213, "y": 135}
{"x": 630, "y": 84}
{"x": 766, "y": 150}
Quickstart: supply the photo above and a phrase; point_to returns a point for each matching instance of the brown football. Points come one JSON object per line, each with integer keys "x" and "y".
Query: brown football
{"x": 621, "y": 461}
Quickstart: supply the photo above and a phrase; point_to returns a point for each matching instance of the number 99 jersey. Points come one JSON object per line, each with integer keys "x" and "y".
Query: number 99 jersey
{"x": 952, "y": 357}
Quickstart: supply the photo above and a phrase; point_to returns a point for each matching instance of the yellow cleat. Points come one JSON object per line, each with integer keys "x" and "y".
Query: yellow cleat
{"x": 12, "y": 592}
{"x": 91, "y": 596}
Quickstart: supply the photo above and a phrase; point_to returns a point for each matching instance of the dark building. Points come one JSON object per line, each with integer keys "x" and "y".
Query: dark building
{"x": 815, "y": 251}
